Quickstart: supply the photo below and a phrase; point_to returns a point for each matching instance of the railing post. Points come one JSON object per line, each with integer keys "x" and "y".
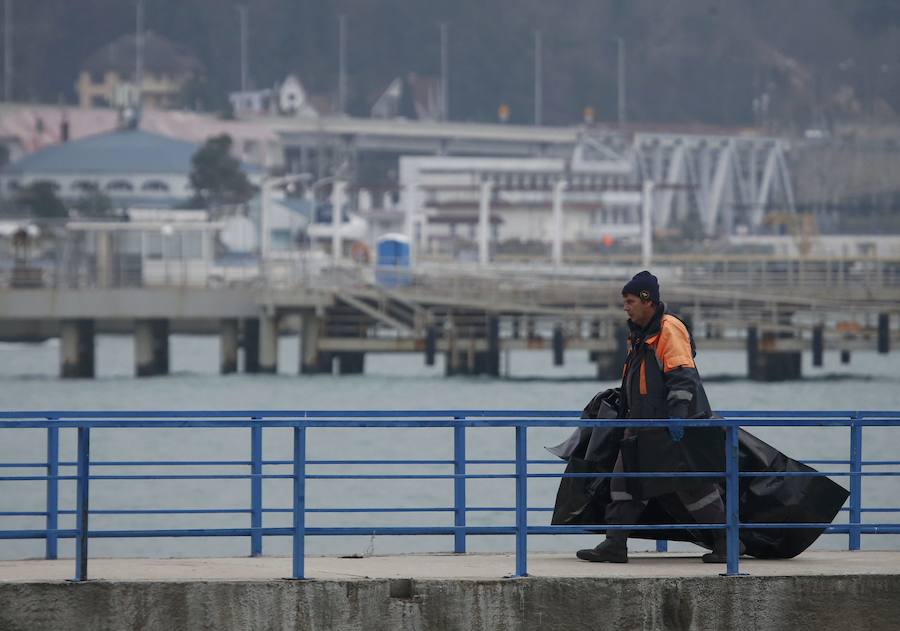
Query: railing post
{"x": 256, "y": 489}
{"x": 855, "y": 481}
{"x": 52, "y": 521}
{"x": 521, "y": 501}
{"x": 732, "y": 499}
{"x": 81, "y": 503}
{"x": 299, "y": 547}
{"x": 459, "y": 487}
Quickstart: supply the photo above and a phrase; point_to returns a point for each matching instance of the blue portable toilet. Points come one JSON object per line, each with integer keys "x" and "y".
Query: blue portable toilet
{"x": 392, "y": 260}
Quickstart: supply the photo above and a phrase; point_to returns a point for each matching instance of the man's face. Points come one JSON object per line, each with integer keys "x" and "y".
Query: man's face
{"x": 639, "y": 311}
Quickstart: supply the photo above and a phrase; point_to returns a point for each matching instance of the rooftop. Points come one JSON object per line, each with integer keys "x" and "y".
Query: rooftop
{"x": 160, "y": 55}
{"x": 128, "y": 151}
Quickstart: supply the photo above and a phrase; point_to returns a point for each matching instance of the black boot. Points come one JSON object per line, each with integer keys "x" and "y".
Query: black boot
{"x": 614, "y": 549}
{"x": 719, "y": 552}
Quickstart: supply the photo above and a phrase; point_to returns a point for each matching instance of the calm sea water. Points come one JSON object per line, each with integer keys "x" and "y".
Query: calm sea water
{"x": 28, "y": 381}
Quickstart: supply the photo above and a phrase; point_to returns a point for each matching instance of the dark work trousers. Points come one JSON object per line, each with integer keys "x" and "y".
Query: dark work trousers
{"x": 703, "y": 503}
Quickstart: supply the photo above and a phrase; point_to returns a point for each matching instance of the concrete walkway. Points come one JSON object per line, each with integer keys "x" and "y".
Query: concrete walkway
{"x": 446, "y": 566}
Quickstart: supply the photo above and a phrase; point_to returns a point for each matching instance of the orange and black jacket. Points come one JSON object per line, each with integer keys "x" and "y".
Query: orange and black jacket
{"x": 660, "y": 379}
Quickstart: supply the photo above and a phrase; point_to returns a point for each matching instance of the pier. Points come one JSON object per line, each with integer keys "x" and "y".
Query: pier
{"x": 773, "y": 309}
{"x": 819, "y": 590}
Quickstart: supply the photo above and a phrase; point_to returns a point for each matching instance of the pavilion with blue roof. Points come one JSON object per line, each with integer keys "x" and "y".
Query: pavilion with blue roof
{"x": 132, "y": 167}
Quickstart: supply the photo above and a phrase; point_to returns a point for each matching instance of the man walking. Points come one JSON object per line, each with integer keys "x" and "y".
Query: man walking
{"x": 660, "y": 380}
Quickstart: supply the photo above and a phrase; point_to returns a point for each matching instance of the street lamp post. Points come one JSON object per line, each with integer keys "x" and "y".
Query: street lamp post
{"x": 267, "y": 186}
{"x": 338, "y": 197}
{"x": 620, "y": 80}
{"x": 647, "y": 205}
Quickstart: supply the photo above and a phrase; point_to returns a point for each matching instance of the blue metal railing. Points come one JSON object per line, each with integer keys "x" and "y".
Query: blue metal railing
{"x": 458, "y": 420}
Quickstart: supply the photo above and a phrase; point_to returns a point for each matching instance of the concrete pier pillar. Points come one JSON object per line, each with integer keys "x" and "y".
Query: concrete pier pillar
{"x": 594, "y": 334}
{"x": 228, "y": 342}
{"x": 312, "y": 361}
{"x": 430, "y": 345}
{"x": 884, "y": 333}
{"x": 472, "y": 362}
{"x": 492, "y": 358}
{"x": 350, "y": 363}
{"x": 559, "y": 345}
{"x": 462, "y": 357}
{"x": 250, "y": 342}
{"x": 151, "y": 347}
{"x": 766, "y": 363}
{"x": 451, "y": 364}
{"x": 76, "y": 349}
{"x": 818, "y": 345}
{"x": 610, "y": 365}
{"x": 752, "y": 349}
{"x": 268, "y": 343}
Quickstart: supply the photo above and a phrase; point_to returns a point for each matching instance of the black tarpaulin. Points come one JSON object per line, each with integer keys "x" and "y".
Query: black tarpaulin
{"x": 765, "y": 499}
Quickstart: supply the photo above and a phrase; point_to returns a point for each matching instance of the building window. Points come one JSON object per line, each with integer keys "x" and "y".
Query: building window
{"x": 14, "y": 186}
{"x": 52, "y": 184}
{"x": 84, "y": 186}
{"x": 155, "y": 186}
{"x": 119, "y": 186}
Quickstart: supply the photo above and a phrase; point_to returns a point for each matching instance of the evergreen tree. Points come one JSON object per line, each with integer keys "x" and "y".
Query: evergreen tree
{"x": 216, "y": 175}
{"x": 41, "y": 201}
{"x": 93, "y": 203}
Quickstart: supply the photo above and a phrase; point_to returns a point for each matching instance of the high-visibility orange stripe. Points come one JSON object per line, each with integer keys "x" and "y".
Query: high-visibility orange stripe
{"x": 643, "y": 378}
{"x": 673, "y": 346}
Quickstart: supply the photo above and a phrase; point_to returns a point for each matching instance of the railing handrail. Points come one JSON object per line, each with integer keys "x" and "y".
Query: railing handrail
{"x": 337, "y": 422}
{"x": 451, "y": 413}
{"x": 459, "y": 420}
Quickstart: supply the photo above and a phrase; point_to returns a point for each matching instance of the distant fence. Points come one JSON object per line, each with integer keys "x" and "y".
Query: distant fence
{"x": 185, "y": 254}
{"x": 54, "y": 470}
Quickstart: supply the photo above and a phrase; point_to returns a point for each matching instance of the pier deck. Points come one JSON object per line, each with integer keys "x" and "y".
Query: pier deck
{"x": 818, "y": 591}
{"x": 450, "y": 567}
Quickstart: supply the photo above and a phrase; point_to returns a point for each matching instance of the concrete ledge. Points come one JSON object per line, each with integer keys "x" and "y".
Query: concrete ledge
{"x": 645, "y": 594}
{"x": 129, "y": 303}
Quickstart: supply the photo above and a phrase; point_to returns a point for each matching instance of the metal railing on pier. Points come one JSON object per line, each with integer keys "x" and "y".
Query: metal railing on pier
{"x": 183, "y": 254}
{"x": 303, "y": 426}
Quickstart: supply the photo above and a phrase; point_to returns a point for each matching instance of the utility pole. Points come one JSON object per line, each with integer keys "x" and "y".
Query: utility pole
{"x": 7, "y": 51}
{"x": 538, "y": 78}
{"x": 620, "y": 45}
{"x": 242, "y": 11}
{"x": 139, "y": 53}
{"x": 647, "y": 205}
{"x": 445, "y": 79}
{"x": 342, "y": 63}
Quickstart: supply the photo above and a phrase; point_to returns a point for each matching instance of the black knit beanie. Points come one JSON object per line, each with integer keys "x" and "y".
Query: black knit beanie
{"x": 644, "y": 285}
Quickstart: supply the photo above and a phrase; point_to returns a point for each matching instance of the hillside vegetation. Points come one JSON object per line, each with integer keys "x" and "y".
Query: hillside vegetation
{"x": 804, "y": 63}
